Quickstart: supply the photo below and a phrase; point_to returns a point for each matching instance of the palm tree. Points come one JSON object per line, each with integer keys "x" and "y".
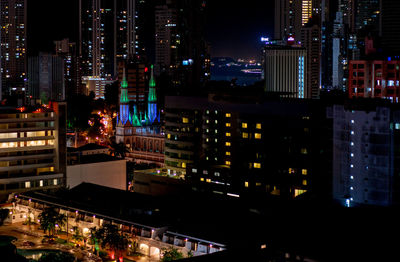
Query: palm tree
{"x": 48, "y": 220}
{"x": 112, "y": 239}
{"x": 77, "y": 234}
{"x": 118, "y": 149}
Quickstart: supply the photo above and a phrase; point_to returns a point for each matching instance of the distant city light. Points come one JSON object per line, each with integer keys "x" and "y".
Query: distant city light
{"x": 264, "y": 39}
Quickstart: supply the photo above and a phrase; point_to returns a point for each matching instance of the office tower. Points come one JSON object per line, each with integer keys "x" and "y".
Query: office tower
{"x": 374, "y": 78}
{"x": 108, "y": 35}
{"x": 33, "y": 148}
{"x": 181, "y": 50}
{"x": 285, "y": 70}
{"x": 390, "y": 27}
{"x": 166, "y": 38}
{"x": 72, "y": 74}
{"x": 367, "y": 16}
{"x": 46, "y": 78}
{"x": 365, "y": 142}
{"x": 311, "y": 40}
{"x": 291, "y": 15}
{"x": 13, "y": 46}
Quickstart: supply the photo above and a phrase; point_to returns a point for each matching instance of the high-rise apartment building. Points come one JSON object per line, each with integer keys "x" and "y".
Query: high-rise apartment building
{"x": 13, "y": 46}
{"x": 244, "y": 145}
{"x": 291, "y": 15}
{"x": 365, "y": 167}
{"x": 72, "y": 74}
{"x": 311, "y": 40}
{"x": 107, "y": 35}
{"x": 46, "y": 78}
{"x": 181, "y": 49}
{"x": 32, "y": 148}
{"x": 285, "y": 71}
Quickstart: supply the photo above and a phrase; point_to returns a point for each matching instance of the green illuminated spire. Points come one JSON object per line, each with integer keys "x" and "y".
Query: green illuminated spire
{"x": 152, "y": 85}
{"x": 124, "y": 90}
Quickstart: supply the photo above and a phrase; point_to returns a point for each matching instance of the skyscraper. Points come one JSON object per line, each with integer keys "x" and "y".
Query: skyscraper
{"x": 46, "y": 77}
{"x": 285, "y": 71}
{"x": 13, "y": 45}
{"x": 181, "y": 50}
{"x": 72, "y": 74}
{"x": 311, "y": 40}
{"x": 291, "y": 15}
{"x": 107, "y": 35}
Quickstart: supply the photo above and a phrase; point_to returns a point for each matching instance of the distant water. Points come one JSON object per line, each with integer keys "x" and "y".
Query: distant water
{"x": 241, "y": 80}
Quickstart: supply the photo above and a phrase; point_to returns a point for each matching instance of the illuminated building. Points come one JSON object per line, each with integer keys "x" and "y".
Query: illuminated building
{"x": 72, "y": 74}
{"x": 46, "y": 78}
{"x": 97, "y": 85}
{"x": 365, "y": 158}
{"x": 13, "y": 46}
{"x": 285, "y": 70}
{"x": 374, "y": 78}
{"x": 32, "y": 148}
{"x": 181, "y": 49}
{"x": 140, "y": 131}
{"x": 291, "y": 15}
{"x": 107, "y": 35}
{"x": 244, "y": 148}
{"x": 311, "y": 40}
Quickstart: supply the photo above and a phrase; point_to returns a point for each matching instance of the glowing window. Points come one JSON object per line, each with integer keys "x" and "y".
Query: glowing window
{"x": 227, "y": 143}
{"x": 304, "y": 171}
{"x": 227, "y": 153}
{"x": 258, "y": 184}
{"x": 304, "y": 151}
{"x": 258, "y": 126}
{"x": 41, "y": 183}
{"x": 304, "y": 182}
{"x": 201, "y": 179}
{"x": 27, "y": 184}
{"x": 228, "y": 163}
{"x": 245, "y": 135}
{"x": 244, "y": 125}
{"x": 169, "y": 136}
{"x": 228, "y": 115}
{"x": 257, "y": 165}
{"x": 228, "y": 134}
{"x": 228, "y": 124}
{"x": 208, "y": 180}
{"x": 257, "y": 135}
{"x": 185, "y": 120}
{"x": 246, "y": 184}
{"x": 183, "y": 165}
{"x": 55, "y": 182}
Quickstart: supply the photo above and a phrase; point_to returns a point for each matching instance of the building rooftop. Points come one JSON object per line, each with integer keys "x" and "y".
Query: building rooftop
{"x": 90, "y": 146}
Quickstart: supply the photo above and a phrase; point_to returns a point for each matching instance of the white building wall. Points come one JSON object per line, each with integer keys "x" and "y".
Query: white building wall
{"x": 362, "y": 156}
{"x": 110, "y": 174}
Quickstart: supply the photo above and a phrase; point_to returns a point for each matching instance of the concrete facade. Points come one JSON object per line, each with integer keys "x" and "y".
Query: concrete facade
{"x": 111, "y": 174}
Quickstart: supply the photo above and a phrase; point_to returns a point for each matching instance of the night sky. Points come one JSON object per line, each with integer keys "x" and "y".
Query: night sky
{"x": 233, "y": 28}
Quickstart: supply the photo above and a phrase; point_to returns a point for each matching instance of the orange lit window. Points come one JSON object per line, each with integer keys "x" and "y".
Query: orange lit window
{"x": 228, "y": 134}
{"x": 228, "y": 124}
{"x": 227, "y": 143}
{"x": 257, "y": 135}
{"x": 228, "y": 115}
{"x": 258, "y": 126}
{"x": 245, "y": 135}
{"x": 228, "y": 163}
{"x": 257, "y": 165}
{"x": 244, "y": 125}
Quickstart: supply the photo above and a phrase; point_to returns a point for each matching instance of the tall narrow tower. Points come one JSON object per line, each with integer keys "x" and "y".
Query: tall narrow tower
{"x": 13, "y": 45}
{"x": 152, "y": 99}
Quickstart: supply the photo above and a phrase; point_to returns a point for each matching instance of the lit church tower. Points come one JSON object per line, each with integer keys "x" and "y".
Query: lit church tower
{"x": 152, "y": 100}
{"x": 124, "y": 120}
